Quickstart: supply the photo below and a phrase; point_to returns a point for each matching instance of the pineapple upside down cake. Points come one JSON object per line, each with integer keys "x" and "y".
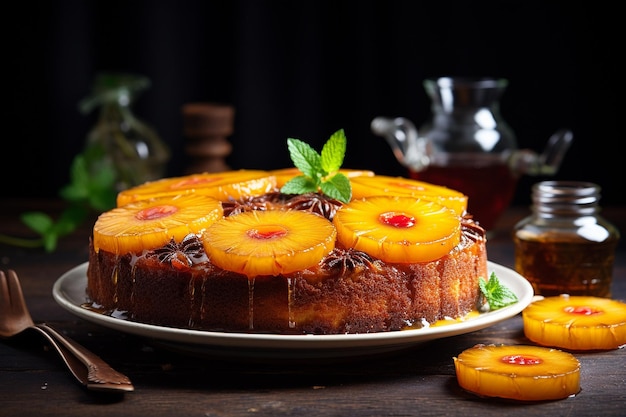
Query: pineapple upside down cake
{"x": 312, "y": 250}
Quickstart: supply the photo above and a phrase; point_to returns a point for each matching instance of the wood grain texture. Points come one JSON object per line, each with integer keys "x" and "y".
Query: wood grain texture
{"x": 416, "y": 381}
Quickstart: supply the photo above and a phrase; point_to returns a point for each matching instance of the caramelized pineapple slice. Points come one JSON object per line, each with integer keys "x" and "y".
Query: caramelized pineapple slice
{"x": 527, "y": 373}
{"x": 269, "y": 242}
{"x": 398, "y": 229}
{"x": 365, "y": 186}
{"x": 576, "y": 322}
{"x": 149, "y": 224}
{"x": 221, "y": 186}
{"x": 285, "y": 174}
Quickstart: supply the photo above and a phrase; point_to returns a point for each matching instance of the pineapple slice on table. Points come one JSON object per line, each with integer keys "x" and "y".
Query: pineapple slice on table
{"x": 285, "y": 174}
{"x": 518, "y": 372}
{"x": 219, "y": 185}
{"x": 270, "y": 242}
{"x": 576, "y": 322}
{"x": 366, "y": 186}
{"x": 398, "y": 229}
{"x": 152, "y": 223}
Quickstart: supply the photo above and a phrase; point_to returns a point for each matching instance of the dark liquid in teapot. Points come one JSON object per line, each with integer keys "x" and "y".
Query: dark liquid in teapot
{"x": 489, "y": 186}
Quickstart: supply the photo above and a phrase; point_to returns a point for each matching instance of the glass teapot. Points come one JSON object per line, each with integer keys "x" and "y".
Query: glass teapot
{"x": 467, "y": 145}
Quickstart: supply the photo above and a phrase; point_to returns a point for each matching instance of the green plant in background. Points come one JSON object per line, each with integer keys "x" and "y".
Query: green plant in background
{"x": 121, "y": 151}
{"x": 91, "y": 190}
{"x": 128, "y": 144}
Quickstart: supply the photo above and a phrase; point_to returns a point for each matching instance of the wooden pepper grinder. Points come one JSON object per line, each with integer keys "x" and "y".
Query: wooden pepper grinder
{"x": 206, "y": 127}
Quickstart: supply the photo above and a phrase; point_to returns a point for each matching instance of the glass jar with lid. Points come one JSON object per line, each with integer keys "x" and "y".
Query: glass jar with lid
{"x": 565, "y": 246}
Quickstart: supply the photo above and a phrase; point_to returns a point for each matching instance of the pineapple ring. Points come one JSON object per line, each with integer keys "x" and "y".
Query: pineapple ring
{"x": 367, "y": 186}
{"x": 269, "y": 242}
{"x": 398, "y": 229}
{"x": 221, "y": 186}
{"x": 527, "y": 373}
{"x": 576, "y": 322}
{"x": 149, "y": 224}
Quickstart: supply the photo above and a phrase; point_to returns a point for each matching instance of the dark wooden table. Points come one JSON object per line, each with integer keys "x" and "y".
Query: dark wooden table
{"x": 418, "y": 381}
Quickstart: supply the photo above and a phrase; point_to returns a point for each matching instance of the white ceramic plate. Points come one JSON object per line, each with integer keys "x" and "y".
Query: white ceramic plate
{"x": 69, "y": 292}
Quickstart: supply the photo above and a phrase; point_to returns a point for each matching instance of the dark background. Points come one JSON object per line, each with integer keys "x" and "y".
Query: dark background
{"x": 305, "y": 69}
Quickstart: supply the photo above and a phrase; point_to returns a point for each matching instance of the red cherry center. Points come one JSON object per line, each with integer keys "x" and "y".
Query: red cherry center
{"x": 521, "y": 360}
{"x": 399, "y": 220}
{"x": 582, "y": 310}
{"x": 156, "y": 212}
{"x": 267, "y": 232}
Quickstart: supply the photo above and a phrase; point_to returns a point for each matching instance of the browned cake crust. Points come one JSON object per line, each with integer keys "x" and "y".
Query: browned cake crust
{"x": 347, "y": 292}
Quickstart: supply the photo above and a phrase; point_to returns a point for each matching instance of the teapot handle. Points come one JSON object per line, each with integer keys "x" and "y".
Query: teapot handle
{"x": 408, "y": 148}
{"x": 548, "y": 162}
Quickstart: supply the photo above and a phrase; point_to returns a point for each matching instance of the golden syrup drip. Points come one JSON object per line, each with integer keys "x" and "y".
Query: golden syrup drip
{"x": 133, "y": 271}
{"x": 290, "y": 290}
{"x": 192, "y": 301}
{"x": 251, "y": 303}
{"x": 202, "y": 309}
{"x": 96, "y": 309}
{"x": 114, "y": 277}
{"x": 445, "y": 322}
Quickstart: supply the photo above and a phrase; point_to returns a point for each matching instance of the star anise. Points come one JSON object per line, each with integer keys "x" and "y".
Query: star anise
{"x": 263, "y": 202}
{"x": 347, "y": 260}
{"x": 315, "y": 203}
{"x": 181, "y": 255}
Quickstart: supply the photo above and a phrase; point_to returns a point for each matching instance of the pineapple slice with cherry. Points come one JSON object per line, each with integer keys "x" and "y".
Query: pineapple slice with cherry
{"x": 149, "y": 224}
{"x": 269, "y": 242}
{"x": 576, "y": 322}
{"x": 518, "y": 372}
{"x": 398, "y": 229}
{"x": 220, "y": 185}
{"x": 366, "y": 186}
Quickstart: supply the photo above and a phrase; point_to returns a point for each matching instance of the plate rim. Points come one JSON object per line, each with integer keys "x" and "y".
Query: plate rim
{"x": 65, "y": 290}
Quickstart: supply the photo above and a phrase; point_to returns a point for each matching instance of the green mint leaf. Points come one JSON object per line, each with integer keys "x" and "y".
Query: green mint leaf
{"x": 50, "y": 242}
{"x": 102, "y": 200}
{"x": 102, "y": 194}
{"x": 321, "y": 172}
{"x": 304, "y": 157}
{"x": 496, "y": 294}
{"x": 95, "y": 188}
{"x": 299, "y": 185}
{"x": 72, "y": 192}
{"x": 37, "y": 221}
{"x": 70, "y": 218}
{"x": 338, "y": 187}
{"x": 92, "y": 185}
{"x": 103, "y": 179}
{"x": 333, "y": 152}
{"x": 79, "y": 171}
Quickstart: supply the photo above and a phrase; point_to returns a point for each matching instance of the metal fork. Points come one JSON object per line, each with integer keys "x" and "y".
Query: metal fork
{"x": 88, "y": 368}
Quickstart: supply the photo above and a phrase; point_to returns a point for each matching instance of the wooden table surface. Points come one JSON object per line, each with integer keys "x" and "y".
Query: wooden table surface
{"x": 416, "y": 381}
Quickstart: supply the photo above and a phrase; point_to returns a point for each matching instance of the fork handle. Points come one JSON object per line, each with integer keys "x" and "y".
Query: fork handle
{"x": 87, "y": 367}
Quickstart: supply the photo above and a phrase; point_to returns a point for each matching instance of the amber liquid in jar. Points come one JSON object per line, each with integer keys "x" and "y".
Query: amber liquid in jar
{"x": 574, "y": 267}
{"x": 565, "y": 246}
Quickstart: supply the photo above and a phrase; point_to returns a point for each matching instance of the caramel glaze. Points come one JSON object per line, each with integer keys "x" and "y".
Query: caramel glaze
{"x": 347, "y": 292}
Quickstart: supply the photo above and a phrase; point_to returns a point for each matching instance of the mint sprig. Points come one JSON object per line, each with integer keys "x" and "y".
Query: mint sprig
{"x": 89, "y": 191}
{"x": 320, "y": 171}
{"x": 496, "y": 294}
